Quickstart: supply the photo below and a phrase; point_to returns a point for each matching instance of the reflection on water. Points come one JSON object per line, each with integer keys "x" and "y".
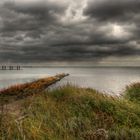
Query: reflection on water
{"x": 111, "y": 80}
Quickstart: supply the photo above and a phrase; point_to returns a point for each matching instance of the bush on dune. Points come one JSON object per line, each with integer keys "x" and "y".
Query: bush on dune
{"x": 132, "y": 92}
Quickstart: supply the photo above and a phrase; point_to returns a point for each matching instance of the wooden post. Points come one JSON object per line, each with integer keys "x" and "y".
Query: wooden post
{"x": 3, "y": 67}
{"x": 18, "y": 67}
{"x": 10, "y": 67}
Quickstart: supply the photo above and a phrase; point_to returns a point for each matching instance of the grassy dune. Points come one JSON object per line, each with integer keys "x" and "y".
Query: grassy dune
{"x": 74, "y": 113}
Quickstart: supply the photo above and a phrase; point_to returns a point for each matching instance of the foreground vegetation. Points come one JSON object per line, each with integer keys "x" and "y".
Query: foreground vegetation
{"x": 73, "y": 113}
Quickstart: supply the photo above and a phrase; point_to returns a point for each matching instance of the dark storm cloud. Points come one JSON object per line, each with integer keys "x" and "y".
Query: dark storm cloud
{"x": 40, "y": 53}
{"x": 46, "y": 30}
{"x": 114, "y": 10}
{"x": 28, "y": 17}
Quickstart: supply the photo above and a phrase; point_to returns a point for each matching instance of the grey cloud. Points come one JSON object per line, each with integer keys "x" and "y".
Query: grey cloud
{"x": 35, "y": 33}
{"x": 47, "y": 53}
{"x": 114, "y": 10}
{"x": 40, "y": 10}
{"x": 29, "y": 17}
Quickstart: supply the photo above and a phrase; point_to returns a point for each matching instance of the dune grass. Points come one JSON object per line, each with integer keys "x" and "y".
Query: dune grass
{"x": 132, "y": 92}
{"x": 73, "y": 113}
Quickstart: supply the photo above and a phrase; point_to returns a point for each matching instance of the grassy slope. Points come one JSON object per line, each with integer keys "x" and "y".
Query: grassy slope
{"x": 73, "y": 113}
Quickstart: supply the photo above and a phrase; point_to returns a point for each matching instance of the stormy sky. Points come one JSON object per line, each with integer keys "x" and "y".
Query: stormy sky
{"x": 40, "y": 31}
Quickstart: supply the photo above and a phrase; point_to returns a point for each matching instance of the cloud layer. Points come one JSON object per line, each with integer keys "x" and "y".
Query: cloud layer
{"x": 52, "y": 30}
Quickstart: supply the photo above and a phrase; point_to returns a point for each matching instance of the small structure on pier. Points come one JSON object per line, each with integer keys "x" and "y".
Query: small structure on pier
{"x": 10, "y": 68}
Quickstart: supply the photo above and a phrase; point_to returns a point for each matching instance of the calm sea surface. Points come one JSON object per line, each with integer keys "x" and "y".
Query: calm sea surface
{"x": 109, "y": 80}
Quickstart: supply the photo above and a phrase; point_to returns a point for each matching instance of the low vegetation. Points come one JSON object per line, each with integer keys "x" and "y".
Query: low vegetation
{"x": 132, "y": 92}
{"x": 73, "y": 113}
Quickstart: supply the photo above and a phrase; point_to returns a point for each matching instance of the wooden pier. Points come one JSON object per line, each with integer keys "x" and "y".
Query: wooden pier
{"x": 10, "y": 67}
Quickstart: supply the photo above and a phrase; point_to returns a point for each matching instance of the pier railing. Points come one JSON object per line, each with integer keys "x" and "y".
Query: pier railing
{"x": 10, "y": 67}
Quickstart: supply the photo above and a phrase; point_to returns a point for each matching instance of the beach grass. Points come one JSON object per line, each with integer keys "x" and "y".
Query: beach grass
{"x": 72, "y": 113}
{"x": 132, "y": 92}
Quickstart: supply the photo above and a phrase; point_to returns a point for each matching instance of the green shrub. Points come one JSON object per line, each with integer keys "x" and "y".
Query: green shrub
{"x": 132, "y": 92}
